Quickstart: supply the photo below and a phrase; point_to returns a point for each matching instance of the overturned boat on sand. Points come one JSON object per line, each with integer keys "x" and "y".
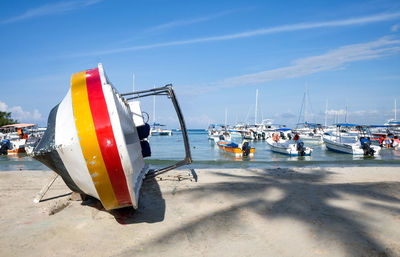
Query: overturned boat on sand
{"x": 96, "y": 140}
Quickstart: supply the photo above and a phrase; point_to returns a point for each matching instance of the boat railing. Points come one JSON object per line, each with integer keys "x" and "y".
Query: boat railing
{"x": 169, "y": 92}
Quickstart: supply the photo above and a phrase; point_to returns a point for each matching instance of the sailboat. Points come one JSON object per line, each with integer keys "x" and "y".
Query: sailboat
{"x": 308, "y": 132}
{"x": 394, "y": 122}
{"x": 156, "y": 128}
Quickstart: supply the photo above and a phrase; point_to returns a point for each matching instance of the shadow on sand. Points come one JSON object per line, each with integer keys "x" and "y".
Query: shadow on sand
{"x": 151, "y": 206}
{"x": 305, "y": 199}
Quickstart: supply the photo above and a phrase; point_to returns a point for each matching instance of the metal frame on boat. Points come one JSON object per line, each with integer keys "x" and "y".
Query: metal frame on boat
{"x": 169, "y": 92}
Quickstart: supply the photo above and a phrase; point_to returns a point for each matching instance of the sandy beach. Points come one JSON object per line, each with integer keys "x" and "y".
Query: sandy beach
{"x": 335, "y": 211}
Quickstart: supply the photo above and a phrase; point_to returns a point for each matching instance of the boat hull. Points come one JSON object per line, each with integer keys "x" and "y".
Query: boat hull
{"x": 348, "y": 148}
{"x": 287, "y": 148}
{"x": 93, "y": 144}
{"x": 16, "y": 151}
{"x": 229, "y": 147}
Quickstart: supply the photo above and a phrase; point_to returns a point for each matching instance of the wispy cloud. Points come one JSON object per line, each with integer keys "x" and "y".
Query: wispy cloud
{"x": 331, "y": 60}
{"x": 181, "y": 23}
{"x": 264, "y": 31}
{"x": 50, "y": 9}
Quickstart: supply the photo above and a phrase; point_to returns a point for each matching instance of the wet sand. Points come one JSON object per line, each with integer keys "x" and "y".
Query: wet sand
{"x": 352, "y": 211}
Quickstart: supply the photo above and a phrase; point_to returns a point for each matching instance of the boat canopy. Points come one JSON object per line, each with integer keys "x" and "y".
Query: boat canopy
{"x": 347, "y": 125}
{"x": 157, "y": 124}
{"x": 283, "y": 129}
{"x": 217, "y": 125}
{"x": 379, "y": 126}
{"x": 313, "y": 125}
{"x": 19, "y": 125}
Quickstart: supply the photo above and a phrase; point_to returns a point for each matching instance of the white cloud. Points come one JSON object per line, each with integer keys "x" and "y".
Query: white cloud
{"x": 19, "y": 114}
{"x": 331, "y": 60}
{"x": 336, "y": 112}
{"x": 264, "y": 31}
{"x": 50, "y": 9}
{"x": 395, "y": 28}
{"x": 3, "y": 107}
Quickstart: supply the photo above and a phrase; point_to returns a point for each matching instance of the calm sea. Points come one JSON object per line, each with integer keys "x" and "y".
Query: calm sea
{"x": 166, "y": 150}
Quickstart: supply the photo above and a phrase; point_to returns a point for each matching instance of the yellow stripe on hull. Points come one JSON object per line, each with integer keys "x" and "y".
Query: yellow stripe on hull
{"x": 89, "y": 142}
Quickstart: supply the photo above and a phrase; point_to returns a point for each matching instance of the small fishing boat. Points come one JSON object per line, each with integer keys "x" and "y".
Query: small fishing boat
{"x": 243, "y": 149}
{"x": 218, "y": 132}
{"x": 19, "y": 136}
{"x": 289, "y": 147}
{"x": 156, "y": 130}
{"x": 350, "y": 143}
{"x": 310, "y": 133}
{"x": 96, "y": 140}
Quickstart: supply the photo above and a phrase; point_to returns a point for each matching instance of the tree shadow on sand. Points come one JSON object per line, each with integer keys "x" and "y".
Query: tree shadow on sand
{"x": 310, "y": 206}
{"x": 151, "y": 206}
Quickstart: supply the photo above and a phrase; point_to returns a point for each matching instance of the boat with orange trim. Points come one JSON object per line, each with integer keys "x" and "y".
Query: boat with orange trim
{"x": 243, "y": 149}
{"x": 96, "y": 140}
{"x": 19, "y": 136}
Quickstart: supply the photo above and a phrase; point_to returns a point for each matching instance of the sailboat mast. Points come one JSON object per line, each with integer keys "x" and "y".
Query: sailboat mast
{"x": 133, "y": 81}
{"x": 255, "y": 111}
{"x": 305, "y": 103}
{"x": 326, "y": 112}
{"x": 226, "y": 116}
{"x": 395, "y": 109}
{"x": 154, "y": 107}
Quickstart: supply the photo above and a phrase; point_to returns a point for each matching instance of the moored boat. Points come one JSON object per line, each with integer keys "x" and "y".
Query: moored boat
{"x": 156, "y": 130}
{"x": 243, "y": 149}
{"x": 19, "y": 136}
{"x": 218, "y": 132}
{"x": 356, "y": 144}
{"x": 289, "y": 147}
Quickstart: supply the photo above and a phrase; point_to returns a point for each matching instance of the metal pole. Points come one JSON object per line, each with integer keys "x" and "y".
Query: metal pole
{"x": 255, "y": 111}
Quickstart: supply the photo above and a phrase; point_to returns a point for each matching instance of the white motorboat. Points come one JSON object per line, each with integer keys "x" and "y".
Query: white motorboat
{"x": 19, "y": 136}
{"x": 156, "y": 130}
{"x": 289, "y": 147}
{"x": 310, "y": 132}
{"x": 218, "y": 132}
{"x": 351, "y": 144}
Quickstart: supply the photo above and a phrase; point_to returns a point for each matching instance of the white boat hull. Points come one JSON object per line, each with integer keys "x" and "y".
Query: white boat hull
{"x": 333, "y": 144}
{"x": 287, "y": 148}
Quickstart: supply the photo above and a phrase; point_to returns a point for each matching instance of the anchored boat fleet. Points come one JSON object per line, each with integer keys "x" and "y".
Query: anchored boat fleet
{"x": 345, "y": 138}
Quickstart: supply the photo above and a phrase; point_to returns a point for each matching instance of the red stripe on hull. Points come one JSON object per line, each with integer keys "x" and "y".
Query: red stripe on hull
{"x": 105, "y": 137}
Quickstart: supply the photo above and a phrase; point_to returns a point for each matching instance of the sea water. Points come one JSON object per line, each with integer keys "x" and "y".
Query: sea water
{"x": 167, "y": 150}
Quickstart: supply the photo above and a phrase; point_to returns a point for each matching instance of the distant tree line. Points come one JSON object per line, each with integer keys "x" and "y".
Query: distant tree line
{"x": 5, "y": 119}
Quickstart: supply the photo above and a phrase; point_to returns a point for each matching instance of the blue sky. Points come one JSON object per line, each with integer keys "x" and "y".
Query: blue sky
{"x": 215, "y": 53}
